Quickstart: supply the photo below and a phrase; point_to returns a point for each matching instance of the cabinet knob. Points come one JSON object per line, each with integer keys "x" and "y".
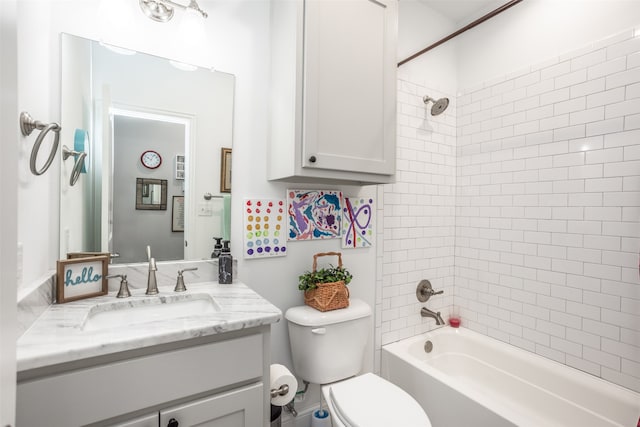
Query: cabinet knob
{"x": 312, "y": 159}
{"x": 173, "y": 423}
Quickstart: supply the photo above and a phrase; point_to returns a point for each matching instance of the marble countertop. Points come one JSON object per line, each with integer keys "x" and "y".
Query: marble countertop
{"x": 59, "y": 336}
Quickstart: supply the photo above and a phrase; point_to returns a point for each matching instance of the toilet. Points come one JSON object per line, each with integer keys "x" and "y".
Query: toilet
{"x": 328, "y": 349}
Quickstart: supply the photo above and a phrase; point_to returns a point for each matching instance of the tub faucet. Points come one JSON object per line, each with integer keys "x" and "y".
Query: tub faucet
{"x": 425, "y": 312}
{"x": 152, "y": 283}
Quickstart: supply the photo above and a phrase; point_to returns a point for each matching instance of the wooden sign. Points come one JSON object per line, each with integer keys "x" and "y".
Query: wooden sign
{"x": 80, "y": 278}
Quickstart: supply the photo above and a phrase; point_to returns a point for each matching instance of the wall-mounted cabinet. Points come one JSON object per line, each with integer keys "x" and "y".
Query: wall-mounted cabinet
{"x": 333, "y": 91}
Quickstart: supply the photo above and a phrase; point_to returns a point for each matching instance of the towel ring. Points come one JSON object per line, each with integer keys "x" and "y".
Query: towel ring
{"x": 79, "y": 158}
{"x": 27, "y": 125}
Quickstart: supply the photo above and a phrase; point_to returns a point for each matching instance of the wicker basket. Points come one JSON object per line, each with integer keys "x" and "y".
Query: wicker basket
{"x": 327, "y": 296}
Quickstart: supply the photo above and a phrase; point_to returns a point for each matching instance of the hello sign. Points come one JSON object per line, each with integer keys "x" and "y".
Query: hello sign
{"x": 81, "y": 278}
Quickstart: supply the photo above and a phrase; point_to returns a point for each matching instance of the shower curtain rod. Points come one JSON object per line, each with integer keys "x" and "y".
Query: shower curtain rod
{"x": 462, "y": 30}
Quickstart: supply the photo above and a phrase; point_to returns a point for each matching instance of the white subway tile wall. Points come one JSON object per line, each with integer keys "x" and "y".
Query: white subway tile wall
{"x": 522, "y": 203}
{"x": 417, "y": 212}
{"x": 547, "y": 248}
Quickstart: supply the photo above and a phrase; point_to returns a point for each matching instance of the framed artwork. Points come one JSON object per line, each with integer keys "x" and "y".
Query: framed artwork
{"x": 264, "y": 222}
{"x": 177, "y": 214}
{"x": 151, "y": 194}
{"x": 179, "y": 166}
{"x": 79, "y": 278}
{"x": 225, "y": 170}
{"x": 357, "y": 222}
{"x": 314, "y": 214}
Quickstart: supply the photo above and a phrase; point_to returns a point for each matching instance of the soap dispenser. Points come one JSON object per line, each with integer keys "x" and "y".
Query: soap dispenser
{"x": 225, "y": 265}
{"x": 217, "y": 249}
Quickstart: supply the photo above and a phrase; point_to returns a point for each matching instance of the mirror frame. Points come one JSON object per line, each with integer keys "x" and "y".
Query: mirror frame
{"x": 140, "y": 205}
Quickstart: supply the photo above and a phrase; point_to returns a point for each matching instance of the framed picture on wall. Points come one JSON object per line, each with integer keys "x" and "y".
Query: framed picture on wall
{"x": 225, "y": 170}
{"x": 177, "y": 214}
{"x": 179, "y": 166}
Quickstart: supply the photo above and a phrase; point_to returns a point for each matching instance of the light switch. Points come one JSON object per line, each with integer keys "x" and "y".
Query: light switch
{"x": 205, "y": 209}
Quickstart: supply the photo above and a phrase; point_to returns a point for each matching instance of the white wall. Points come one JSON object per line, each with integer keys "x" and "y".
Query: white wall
{"x": 420, "y": 26}
{"x": 417, "y": 213}
{"x": 535, "y": 30}
{"x": 38, "y": 94}
{"x": 8, "y": 217}
{"x": 548, "y": 208}
{"x": 418, "y": 216}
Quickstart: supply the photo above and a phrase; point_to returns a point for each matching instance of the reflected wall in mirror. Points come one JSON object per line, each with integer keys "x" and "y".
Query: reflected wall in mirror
{"x": 132, "y": 104}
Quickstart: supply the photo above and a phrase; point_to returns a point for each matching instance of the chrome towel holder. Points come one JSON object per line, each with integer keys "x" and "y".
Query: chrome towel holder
{"x": 80, "y": 157}
{"x": 27, "y": 125}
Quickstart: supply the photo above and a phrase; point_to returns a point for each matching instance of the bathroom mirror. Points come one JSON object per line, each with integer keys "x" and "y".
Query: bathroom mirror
{"x": 156, "y": 132}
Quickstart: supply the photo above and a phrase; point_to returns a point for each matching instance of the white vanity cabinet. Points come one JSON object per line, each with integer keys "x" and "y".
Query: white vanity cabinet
{"x": 333, "y": 91}
{"x": 237, "y": 408}
{"x": 221, "y": 380}
{"x": 233, "y": 409}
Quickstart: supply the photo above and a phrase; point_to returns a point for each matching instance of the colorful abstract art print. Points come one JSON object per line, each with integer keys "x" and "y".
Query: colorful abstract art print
{"x": 357, "y": 222}
{"x": 264, "y": 228}
{"x": 314, "y": 214}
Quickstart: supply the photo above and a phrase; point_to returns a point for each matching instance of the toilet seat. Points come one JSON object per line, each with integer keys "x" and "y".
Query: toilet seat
{"x": 370, "y": 401}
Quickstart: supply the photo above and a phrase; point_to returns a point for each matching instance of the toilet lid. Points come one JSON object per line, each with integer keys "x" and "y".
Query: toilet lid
{"x": 371, "y": 401}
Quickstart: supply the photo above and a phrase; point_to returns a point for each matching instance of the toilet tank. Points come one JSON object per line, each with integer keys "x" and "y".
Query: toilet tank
{"x": 328, "y": 346}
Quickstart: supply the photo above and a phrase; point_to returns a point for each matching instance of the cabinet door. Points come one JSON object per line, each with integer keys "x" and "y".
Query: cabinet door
{"x": 150, "y": 420}
{"x": 238, "y": 408}
{"x": 349, "y": 116}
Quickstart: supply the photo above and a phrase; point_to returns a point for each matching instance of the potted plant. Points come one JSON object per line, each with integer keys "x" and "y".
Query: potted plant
{"x": 326, "y": 289}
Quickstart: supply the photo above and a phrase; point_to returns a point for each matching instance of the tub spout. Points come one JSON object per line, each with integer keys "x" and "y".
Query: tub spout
{"x": 425, "y": 312}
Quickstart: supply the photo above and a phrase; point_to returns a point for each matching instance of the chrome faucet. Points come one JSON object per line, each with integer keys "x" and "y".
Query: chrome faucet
{"x": 180, "y": 287}
{"x": 152, "y": 283}
{"x": 425, "y": 312}
{"x": 424, "y": 291}
{"x": 124, "y": 285}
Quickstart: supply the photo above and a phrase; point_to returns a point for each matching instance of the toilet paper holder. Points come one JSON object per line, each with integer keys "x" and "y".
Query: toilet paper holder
{"x": 281, "y": 391}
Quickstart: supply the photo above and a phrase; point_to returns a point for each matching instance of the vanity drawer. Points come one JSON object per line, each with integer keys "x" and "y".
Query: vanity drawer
{"x": 89, "y": 395}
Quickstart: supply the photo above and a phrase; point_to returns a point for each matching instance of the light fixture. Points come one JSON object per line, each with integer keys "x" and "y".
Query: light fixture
{"x": 162, "y": 10}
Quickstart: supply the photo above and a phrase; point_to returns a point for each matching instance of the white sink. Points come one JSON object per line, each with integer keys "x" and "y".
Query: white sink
{"x": 134, "y": 311}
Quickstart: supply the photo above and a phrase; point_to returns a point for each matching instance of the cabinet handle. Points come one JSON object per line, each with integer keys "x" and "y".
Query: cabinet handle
{"x": 173, "y": 423}
{"x": 312, "y": 159}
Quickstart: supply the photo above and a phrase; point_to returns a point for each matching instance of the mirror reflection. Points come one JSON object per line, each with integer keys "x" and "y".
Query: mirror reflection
{"x": 157, "y": 134}
{"x": 151, "y": 194}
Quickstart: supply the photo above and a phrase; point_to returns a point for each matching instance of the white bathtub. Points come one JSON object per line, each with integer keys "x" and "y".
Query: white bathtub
{"x": 469, "y": 379}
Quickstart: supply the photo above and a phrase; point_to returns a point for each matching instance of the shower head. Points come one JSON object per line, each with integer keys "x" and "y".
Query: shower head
{"x": 438, "y": 106}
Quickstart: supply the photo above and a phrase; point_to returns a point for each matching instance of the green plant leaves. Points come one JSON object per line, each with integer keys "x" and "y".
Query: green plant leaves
{"x": 310, "y": 279}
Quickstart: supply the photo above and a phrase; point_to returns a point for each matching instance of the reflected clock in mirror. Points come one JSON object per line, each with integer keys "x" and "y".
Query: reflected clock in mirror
{"x": 133, "y": 103}
{"x": 151, "y": 159}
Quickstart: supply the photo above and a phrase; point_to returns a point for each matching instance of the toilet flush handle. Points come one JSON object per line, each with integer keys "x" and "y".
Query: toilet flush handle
{"x": 319, "y": 331}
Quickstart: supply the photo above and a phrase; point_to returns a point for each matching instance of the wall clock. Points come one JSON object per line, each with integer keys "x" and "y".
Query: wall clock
{"x": 151, "y": 159}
